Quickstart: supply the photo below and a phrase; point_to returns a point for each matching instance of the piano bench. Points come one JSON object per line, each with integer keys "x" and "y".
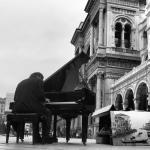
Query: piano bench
{"x": 21, "y": 118}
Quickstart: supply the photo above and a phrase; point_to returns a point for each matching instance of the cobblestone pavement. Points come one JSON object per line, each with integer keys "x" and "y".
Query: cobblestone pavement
{"x": 74, "y": 144}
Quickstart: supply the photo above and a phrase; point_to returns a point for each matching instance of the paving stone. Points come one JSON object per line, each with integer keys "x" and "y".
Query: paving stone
{"x": 74, "y": 144}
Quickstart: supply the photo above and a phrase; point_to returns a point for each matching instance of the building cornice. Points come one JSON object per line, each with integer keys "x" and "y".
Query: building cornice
{"x": 75, "y": 35}
{"x": 89, "y": 5}
{"x": 86, "y": 23}
{"x": 80, "y": 29}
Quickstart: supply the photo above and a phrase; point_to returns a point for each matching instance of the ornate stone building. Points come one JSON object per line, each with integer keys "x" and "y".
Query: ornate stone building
{"x": 114, "y": 34}
{"x": 133, "y": 89}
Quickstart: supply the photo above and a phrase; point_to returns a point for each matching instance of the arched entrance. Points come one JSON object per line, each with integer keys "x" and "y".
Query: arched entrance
{"x": 118, "y": 102}
{"x": 129, "y": 102}
{"x": 141, "y": 97}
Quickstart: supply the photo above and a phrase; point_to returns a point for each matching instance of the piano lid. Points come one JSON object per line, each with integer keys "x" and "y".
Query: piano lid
{"x": 67, "y": 77}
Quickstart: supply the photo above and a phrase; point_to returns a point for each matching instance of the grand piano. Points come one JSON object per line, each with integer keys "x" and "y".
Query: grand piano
{"x": 69, "y": 95}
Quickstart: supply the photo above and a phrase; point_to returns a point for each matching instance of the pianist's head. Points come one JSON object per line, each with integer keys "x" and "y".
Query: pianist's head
{"x": 37, "y": 75}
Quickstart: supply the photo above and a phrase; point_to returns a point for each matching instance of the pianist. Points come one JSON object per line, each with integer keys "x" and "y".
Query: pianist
{"x": 29, "y": 98}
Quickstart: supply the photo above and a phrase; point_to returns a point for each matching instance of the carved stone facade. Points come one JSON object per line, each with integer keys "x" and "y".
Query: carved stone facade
{"x": 110, "y": 35}
{"x": 134, "y": 87}
{"x": 137, "y": 81}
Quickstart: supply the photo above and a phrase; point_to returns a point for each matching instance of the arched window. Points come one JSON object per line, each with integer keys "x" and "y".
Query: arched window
{"x": 118, "y": 30}
{"x": 145, "y": 42}
{"x": 123, "y": 33}
{"x": 127, "y": 35}
{"x": 141, "y": 97}
{"x": 129, "y": 102}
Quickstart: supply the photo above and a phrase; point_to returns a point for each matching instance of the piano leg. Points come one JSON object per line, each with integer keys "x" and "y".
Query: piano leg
{"x": 68, "y": 121}
{"x": 84, "y": 127}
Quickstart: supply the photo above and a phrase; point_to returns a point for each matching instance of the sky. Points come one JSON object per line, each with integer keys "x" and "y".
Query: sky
{"x": 35, "y": 36}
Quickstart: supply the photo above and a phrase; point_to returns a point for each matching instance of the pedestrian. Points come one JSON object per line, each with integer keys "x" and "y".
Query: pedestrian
{"x": 29, "y": 98}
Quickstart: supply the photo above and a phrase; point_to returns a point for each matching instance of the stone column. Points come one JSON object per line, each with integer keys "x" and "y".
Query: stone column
{"x": 148, "y": 26}
{"x": 113, "y": 36}
{"x": 122, "y": 38}
{"x": 148, "y": 39}
{"x": 125, "y": 104}
{"x": 89, "y": 84}
{"x": 133, "y": 30}
{"x": 148, "y": 101}
{"x": 75, "y": 123}
{"x": 137, "y": 104}
{"x": 92, "y": 40}
{"x": 72, "y": 124}
{"x": 100, "y": 40}
{"x": 103, "y": 91}
{"x": 99, "y": 90}
{"x": 79, "y": 121}
{"x": 80, "y": 49}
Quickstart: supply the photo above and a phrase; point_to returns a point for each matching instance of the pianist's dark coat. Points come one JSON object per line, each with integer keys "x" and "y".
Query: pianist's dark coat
{"x": 29, "y": 96}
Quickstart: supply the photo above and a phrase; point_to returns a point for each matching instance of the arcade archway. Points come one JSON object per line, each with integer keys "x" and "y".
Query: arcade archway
{"x": 118, "y": 102}
{"x": 129, "y": 100}
{"x": 141, "y": 97}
